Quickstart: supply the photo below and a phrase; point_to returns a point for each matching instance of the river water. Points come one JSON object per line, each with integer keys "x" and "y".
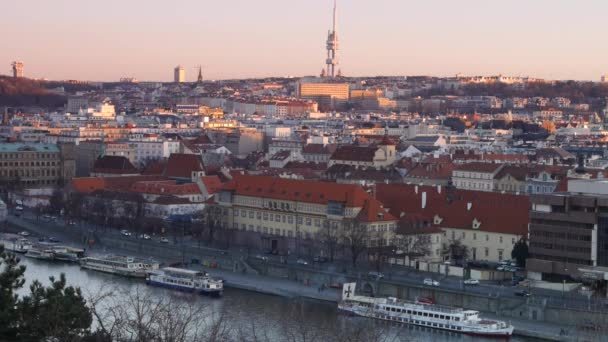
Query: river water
{"x": 265, "y": 312}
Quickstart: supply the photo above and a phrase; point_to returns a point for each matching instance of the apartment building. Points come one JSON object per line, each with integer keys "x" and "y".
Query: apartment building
{"x": 476, "y": 176}
{"x": 377, "y": 156}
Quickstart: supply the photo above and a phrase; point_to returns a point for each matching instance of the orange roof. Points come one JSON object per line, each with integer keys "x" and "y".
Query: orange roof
{"x": 165, "y": 188}
{"x": 90, "y": 184}
{"x": 212, "y": 183}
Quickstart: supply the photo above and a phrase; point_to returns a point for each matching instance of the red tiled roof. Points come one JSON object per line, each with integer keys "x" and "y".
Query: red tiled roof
{"x": 182, "y": 165}
{"x": 319, "y": 149}
{"x": 479, "y": 167}
{"x": 298, "y": 190}
{"x": 212, "y": 183}
{"x": 499, "y": 213}
{"x": 90, "y": 184}
{"x": 372, "y": 212}
{"x": 355, "y": 153}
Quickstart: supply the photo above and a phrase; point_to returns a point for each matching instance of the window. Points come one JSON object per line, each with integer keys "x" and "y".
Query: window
{"x": 308, "y": 221}
{"x": 243, "y": 213}
{"x": 487, "y": 237}
{"x": 259, "y": 215}
{"x": 487, "y": 252}
{"x": 271, "y": 217}
{"x": 236, "y": 212}
{"x": 251, "y": 214}
{"x": 474, "y": 236}
{"x": 317, "y": 223}
{"x": 500, "y": 252}
{"x": 289, "y": 219}
{"x": 500, "y": 239}
{"x": 265, "y": 216}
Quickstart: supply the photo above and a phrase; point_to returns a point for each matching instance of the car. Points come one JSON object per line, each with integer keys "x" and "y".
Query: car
{"x": 261, "y": 257}
{"x": 24, "y": 233}
{"x": 163, "y": 240}
{"x": 125, "y": 232}
{"x": 144, "y": 236}
{"x": 374, "y": 274}
{"x": 500, "y": 268}
{"x": 320, "y": 259}
{"x": 522, "y": 293}
{"x": 301, "y": 262}
{"x": 47, "y": 217}
{"x": 71, "y": 223}
{"x": 513, "y": 264}
{"x": 504, "y": 262}
{"x": 471, "y": 281}
{"x": 431, "y": 282}
{"x": 53, "y": 239}
{"x": 19, "y": 208}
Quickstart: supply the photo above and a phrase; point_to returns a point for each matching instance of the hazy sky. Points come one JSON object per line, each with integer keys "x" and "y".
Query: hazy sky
{"x": 108, "y": 39}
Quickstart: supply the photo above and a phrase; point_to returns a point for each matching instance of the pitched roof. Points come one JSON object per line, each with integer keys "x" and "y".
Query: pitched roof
{"x": 181, "y": 165}
{"x": 479, "y": 167}
{"x": 90, "y": 184}
{"x": 355, "y": 153}
{"x": 114, "y": 165}
{"x": 168, "y": 187}
{"x": 212, "y": 183}
{"x": 373, "y": 211}
{"x": 298, "y": 190}
{"x": 498, "y": 213}
{"x": 319, "y": 149}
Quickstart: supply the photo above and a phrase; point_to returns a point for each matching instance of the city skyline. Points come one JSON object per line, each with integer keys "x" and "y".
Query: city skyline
{"x": 104, "y": 42}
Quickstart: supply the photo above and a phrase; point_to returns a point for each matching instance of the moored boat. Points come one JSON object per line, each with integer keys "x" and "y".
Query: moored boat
{"x": 120, "y": 265}
{"x": 186, "y": 280}
{"x": 422, "y": 314}
{"x": 16, "y": 244}
{"x": 40, "y": 253}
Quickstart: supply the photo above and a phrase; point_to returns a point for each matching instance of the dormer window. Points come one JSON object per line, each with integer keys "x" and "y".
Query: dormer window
{"x": 476, "y": 224}
{"x": 437, "y": 219}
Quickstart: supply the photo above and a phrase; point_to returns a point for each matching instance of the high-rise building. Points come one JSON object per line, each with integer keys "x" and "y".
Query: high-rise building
{"x": 179, "y": 74}
{"x": 332, "y": 48}
{"x": 17, "y": 69}
{"x": 329, "y": 96}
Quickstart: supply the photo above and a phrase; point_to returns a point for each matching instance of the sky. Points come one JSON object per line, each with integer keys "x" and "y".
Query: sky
{"x": 108, "y": 39}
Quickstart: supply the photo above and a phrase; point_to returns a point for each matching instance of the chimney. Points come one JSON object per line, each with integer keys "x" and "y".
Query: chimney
{"x": 439, "y": 188}
{"x": 424, "y": 200}
{"x": 402, "y": 214}
{"x": 416, "y": 189}
{"x": 469, "y": 206}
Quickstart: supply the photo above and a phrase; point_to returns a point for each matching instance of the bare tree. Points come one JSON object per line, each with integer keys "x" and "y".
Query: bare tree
{"x": 455, "y": 250}
{"x": 413, "y": 245}
{"x": 355, "y": 238}
{"x": 134, "y": 315}
{"x": 329, "y": 238}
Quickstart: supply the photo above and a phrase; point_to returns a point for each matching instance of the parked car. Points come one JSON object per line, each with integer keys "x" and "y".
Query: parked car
{"x": 24, "y": 233}
{"x": 320, "y": 259}
{"x": 500, "y": 268}
{"x": 47, "y": 217}
{"x": 53, "y": 239}
{"x": 522, "y": 293}
{"x": 163, "y": 240}
{"x": 301, "y": 262}
{"x": 261, "y": 257}
{"x": 144, "y": 236}
{"x": 431, "y": 282}
{"x": 374, "y": 274}
{"x": 471, "y": 281}
{"x": 125, "y": 232}
{"x": 71, "y": 223}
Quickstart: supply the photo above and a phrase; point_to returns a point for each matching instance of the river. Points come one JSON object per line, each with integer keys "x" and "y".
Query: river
{"x": 265, "y": 312}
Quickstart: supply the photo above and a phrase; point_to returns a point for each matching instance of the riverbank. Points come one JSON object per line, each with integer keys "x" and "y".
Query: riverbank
{"x": 303, "y": 288}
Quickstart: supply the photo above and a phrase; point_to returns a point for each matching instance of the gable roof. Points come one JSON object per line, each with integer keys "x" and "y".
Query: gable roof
{"x": 355, "y": 153}
{"x": 114, "y": 165}
{"x": 181, "y": 165}
{"x": 498, "y": 213}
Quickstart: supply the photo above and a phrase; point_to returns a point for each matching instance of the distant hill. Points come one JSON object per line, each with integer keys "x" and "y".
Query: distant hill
{"x": 24, "y": 92}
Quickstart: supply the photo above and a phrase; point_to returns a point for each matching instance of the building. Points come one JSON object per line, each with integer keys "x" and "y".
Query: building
{"x": 329, "y": 96}
{"x": 377, "y": 156}
{"x": 179, "y": 74}
{"x": 87, "y": 152}
{"x": 569, "y": 233}
{"x": 76, "y": 103}
{"x": 294, "y": 215}
{"x": 17, "y": 69}
{"x": 488, "y": 224}
{"x": 36, "y": 165}
{"x": 476, "y": 176}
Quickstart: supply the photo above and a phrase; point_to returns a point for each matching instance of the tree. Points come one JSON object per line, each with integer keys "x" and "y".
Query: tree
{"x": 354, "y": 237}
{"x": 54, "y": 313}
{"x": 57, "y": 202}
{"x": 329, "y": 238}
{"x": 456, "y": 251}
{"x": 414, "y": 245}
{"x": 520, "y": 252}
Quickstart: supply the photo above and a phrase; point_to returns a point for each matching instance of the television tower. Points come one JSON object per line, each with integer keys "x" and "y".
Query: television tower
{"x": 332, "y": 48}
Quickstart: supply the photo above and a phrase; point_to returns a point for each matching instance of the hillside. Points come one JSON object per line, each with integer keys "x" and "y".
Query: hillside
{"x": 25, "y": 92}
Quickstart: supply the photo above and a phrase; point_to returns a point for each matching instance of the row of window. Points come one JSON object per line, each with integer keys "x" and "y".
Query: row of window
{"x": 29, "y": 173}
{"x": 22, "y": 163}
{"x": 556, "y": 235}
{"x": 463, "y": 235}
{"x": 29, "y": 155}
{"x": 272, "y": 217}
{"x": 421, "y": 313}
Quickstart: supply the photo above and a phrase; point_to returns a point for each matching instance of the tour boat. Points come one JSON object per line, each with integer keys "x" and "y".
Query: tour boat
{"x": 17, "y": 245}
{"x": 186, "y": 280}
{"x": 120, "y": 265}
{"x": 423, "y": 314}
{"x": 40, "y": 253}
{"x": 68, "y": 254}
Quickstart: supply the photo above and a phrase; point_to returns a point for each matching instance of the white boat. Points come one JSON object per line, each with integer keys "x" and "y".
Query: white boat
{"x": 120, "y": 265}
{"x": 423, "y": 314}
{"x": 186, "y": 280}
{"x": 17, "y": 245}
{"x": 40, "y": 253}
{"x": 67, "y": 254}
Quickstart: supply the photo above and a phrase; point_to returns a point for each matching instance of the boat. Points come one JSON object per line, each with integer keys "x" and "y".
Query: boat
{"x": 68, "y": 254}
{"x": 120, "y": 265}
{"x": 40, "y": 253}
{"x": 422, "y": 314}
{"x": 17, "y": 245}
{"x": 186, "y": 280}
